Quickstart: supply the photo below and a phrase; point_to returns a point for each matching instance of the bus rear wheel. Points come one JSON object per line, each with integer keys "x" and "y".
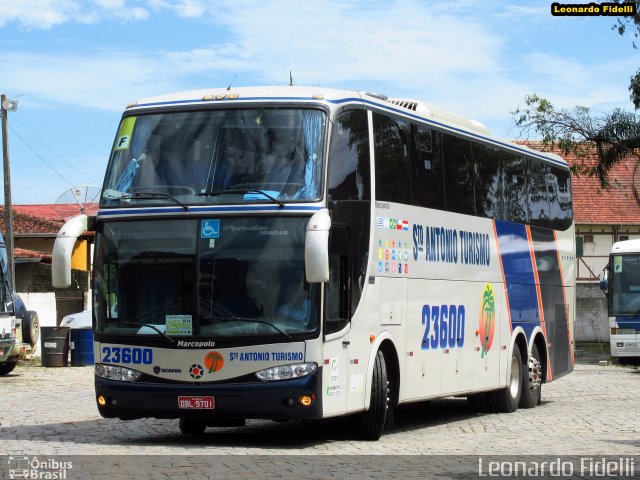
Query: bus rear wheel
{"x": 508, "y": 399}
{"x": 532, "y": 381}
{"x": 192, "y": 426}
{"x": 370, "y": 424}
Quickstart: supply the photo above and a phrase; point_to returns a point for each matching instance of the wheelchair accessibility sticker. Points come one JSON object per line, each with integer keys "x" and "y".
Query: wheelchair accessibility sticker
{"x": 210, "y": 229}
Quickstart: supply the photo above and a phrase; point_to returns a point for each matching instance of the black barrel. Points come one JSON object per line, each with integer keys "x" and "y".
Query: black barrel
{"x": 54, "y": 345}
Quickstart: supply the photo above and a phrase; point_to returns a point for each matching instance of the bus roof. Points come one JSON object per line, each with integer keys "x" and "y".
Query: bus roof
{"x": 408, "y": 107}
{"x": 626, "y": 246}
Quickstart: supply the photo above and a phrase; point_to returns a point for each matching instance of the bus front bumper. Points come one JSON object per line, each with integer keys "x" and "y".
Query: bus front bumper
{"x": 625, "y": 345}
{"x": 269, "y": 400}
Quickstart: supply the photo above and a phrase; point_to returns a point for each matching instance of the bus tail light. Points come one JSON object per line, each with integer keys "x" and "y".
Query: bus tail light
{"x": 287, "y": 372}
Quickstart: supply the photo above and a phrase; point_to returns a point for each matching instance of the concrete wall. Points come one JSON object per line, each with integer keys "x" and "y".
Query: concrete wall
{"x": 33, "y": 282}
{"x": 592, "y": 321}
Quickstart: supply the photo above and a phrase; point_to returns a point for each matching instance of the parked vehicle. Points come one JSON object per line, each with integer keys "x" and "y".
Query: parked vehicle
{"x": 620, "y": 280}
{"x": 77, "y": 320}
{"x": 26, "y": 329}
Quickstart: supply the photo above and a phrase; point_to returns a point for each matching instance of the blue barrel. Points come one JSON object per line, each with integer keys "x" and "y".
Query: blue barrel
{"x": 81, "y": 347}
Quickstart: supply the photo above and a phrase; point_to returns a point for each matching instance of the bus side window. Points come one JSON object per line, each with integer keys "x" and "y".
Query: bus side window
{"x": 426, "y": 168}
{"x": 337, "y": 296}
{"x": 458, "y": 164}
{"x": 514, "y": 188}
{"x": 349, "y": 158}
{"x": 559, "y": 182}
{"x": 392, "y": 159}
{"x": 538, "y": 194}
{"x": 489, "y": 202}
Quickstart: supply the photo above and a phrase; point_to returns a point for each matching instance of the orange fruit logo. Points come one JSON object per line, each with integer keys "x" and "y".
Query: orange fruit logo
{"x": 214, "y": 361}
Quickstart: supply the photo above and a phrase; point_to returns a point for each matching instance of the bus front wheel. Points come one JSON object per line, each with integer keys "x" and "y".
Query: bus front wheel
{"x": 192, "y": 426}
{"x": 370, "y": 424}
{"x": 508, "y": 399}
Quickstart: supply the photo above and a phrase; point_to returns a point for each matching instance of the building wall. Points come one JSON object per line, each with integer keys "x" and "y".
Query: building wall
{"x": 592, "y": 321}
{"x": 33, "y": 282}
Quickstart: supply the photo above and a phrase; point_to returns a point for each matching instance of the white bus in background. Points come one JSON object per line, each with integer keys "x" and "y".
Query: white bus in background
{"x": 621, "y": 282}
{"x": 298, "y": 253}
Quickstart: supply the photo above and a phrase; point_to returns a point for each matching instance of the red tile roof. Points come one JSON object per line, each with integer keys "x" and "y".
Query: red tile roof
{"x": 594, "y": 205}
{"x": 30, "y": 223}
{"x": 23, "y": 253}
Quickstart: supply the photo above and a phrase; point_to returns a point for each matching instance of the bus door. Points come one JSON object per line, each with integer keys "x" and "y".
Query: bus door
{"x": 337, "y": 314}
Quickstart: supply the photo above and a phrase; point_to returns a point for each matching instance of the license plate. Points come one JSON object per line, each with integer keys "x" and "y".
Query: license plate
{"x": 196, "y": 403}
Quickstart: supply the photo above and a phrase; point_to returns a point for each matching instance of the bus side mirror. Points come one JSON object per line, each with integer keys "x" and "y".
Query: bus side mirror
{"x": 604, "y": 280}
{"x": 63, "y": 248}
{"x": 316, "y": 247}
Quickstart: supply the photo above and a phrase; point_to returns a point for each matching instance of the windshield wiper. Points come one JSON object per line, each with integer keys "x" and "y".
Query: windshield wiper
{"x": 152, "y": 327}
{"x": 215, "y": 193}
{"x": 114, "y": 194}
{"x": 255, "y": 320}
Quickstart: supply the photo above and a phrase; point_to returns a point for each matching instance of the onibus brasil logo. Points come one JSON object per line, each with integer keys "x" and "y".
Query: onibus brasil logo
{"x": 487, "y": 319}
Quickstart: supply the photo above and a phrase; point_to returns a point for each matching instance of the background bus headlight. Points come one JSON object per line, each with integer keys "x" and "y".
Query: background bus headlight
{"x": 286, "y": 372}
{"x": 117, "y": 373}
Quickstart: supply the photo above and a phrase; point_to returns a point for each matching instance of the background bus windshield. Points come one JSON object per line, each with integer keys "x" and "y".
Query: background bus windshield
{"x": 625, "y": 297}
{"x": 211, "y": 278}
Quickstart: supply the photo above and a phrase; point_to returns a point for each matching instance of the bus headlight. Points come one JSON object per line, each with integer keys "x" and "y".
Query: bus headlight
{"x": 286, "y": 372}
{"x": 117, "y": 373}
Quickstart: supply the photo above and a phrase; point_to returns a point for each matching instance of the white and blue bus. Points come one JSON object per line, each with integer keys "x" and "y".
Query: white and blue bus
{"x": 302, "y": 253}
{"x": 621, "y": 282}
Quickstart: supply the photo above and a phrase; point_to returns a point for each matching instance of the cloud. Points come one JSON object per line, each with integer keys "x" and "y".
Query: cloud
{"x": 184, "y": 8}
{"x": 46, "y": 14}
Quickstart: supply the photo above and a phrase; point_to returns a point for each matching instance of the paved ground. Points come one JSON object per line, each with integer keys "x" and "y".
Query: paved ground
{"x": 593, "y": 411}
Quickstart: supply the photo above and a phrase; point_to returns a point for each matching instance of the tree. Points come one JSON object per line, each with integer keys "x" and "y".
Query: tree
{"x": 613, "y": 136}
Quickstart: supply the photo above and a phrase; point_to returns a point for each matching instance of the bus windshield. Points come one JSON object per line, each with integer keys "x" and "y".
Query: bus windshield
{"x": 230, "y": 156}
{"x": 625, "y": 283}
{"x": 214, "y": 278}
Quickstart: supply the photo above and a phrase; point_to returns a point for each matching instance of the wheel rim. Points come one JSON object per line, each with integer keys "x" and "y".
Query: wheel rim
{"x": 514, "y": 384}
{"x": 535, "y": 374}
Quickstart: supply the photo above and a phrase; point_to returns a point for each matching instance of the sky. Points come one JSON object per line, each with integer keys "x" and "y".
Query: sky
{"x": 74, "y": 65}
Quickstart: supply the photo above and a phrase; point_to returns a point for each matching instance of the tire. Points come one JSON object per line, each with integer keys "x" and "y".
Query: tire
{"x": 531, "y": 380}
{"x": 7, "y": 367}
{"x": 192, "y": 426}
{"x": 30, "y": 328}
{"x": 370, "y": 424}
{"x": 508, "y": 399}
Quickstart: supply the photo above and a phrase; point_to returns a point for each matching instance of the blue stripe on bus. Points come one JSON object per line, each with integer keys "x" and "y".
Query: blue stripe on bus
{"x": 520, "y": 281}
{"x": 208, "y": 209}
{"x": 628, "y": 322}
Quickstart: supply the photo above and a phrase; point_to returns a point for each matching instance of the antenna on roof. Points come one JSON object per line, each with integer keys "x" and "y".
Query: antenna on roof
{"x": 234, "y": 79}
{"x": 290, "y": 79}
